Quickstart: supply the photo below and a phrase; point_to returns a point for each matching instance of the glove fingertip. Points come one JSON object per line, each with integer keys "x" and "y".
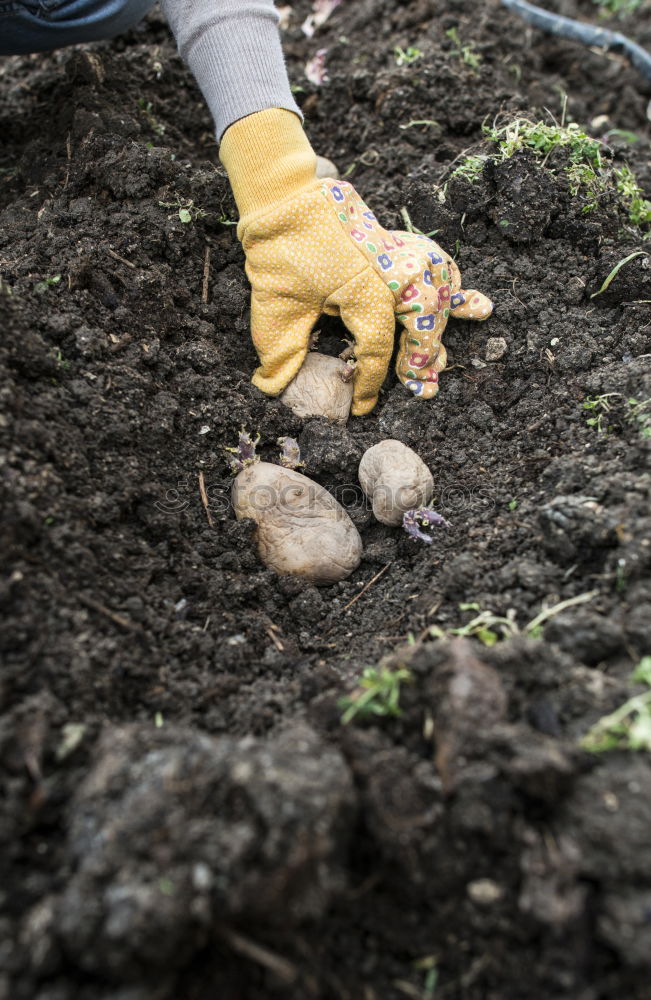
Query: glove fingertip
{"x": 472, "y": 305}
{"x": 274, "y": 379}
{"x": 361, "y": 407}
{"x": 420, "y": 389}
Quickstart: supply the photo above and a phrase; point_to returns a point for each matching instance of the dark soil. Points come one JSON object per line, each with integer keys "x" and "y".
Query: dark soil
{"x": 183, "y": 814}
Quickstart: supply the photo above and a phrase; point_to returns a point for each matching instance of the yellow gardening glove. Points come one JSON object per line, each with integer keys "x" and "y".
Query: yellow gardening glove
{"x": 312, "y": 247}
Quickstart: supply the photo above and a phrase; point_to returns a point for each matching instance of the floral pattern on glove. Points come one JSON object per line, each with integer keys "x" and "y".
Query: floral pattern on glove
{"x": 424, "y": 280}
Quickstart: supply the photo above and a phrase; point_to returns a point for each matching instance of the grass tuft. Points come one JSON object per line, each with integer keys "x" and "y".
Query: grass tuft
{"x": 629, "y": 726}
{"x": 584, "y": 168}
{"x": 378, "y": 693}
{"x": 617, "y": 268}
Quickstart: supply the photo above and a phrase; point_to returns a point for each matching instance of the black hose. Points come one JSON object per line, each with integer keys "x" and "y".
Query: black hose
{"x": 577, "y": 31}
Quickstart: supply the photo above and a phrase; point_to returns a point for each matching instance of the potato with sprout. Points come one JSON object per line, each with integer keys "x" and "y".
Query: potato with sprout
{"x": 395, "y": 479}
{"x": 300, "y": 527}
{"x": 322, "y": 388}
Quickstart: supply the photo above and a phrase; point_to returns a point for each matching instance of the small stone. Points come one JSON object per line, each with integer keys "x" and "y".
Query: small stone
{"x": 326, "y": 168}
{"x": 71, "y": 736}
{"x": 202, "y": 879}
{"x": 484, "y": 891}
{"x": 496, "y": 348}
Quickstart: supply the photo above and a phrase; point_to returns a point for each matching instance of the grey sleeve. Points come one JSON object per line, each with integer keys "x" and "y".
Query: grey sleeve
{"x": 233, "y": 49}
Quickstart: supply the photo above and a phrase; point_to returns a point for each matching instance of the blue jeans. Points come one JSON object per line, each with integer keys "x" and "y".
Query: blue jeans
{"x": 43, "y": 25}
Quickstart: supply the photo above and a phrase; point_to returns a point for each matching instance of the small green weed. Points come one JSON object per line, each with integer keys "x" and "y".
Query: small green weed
{"x": 629, "y": 726}
{"x": 639, "y": 413}
{"x": 420, "y": 121}
{"x": 490, "y": 628}
{"x": 146, "y": 108}
{"x": 42, "y": 286}
{"x": 544, "y": 139}
{"x": 428, "y": 966}
{"x": 485, "y": 626}
{"x": 636, "y": 412}
{"x": 639, "y": 208}
{"x": 61, "y": 361}
{"x": 378, "y": 693}
{"x": 404, "y": 57}
{"x": 617, "y": 268}
{"x": 410, "y": 227}
{"x": 617, "y": 8}
{"x": 466, "y": 53}
{"x": 599, "y": 407}
{"x": 622, "y": 133}
{"x": 187, "y": 210}
{"x": 470, "y": 169}
{"x": 516, "y": 70}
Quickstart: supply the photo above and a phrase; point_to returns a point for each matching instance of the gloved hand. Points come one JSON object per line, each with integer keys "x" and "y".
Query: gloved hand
{"x": 312, "y": 246}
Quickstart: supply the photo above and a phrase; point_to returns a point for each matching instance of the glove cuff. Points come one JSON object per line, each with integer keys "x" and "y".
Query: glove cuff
{"x": 268, "y": 159}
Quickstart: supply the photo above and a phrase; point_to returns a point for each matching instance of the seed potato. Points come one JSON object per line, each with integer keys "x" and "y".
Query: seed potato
{"x": 322, "y": 388}
{"x": 395, "y": 479}
{"x": 301, "y": 529}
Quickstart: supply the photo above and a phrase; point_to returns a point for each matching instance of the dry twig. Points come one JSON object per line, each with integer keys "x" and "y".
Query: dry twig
{"x": 284, "y": 969}
{"x": 123, "y": 260}
{"x": 206, "y": 276}
{"x": 369, "y": 584}
{"x": 120, "y": 620}
{"x": 204, "y": 498}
